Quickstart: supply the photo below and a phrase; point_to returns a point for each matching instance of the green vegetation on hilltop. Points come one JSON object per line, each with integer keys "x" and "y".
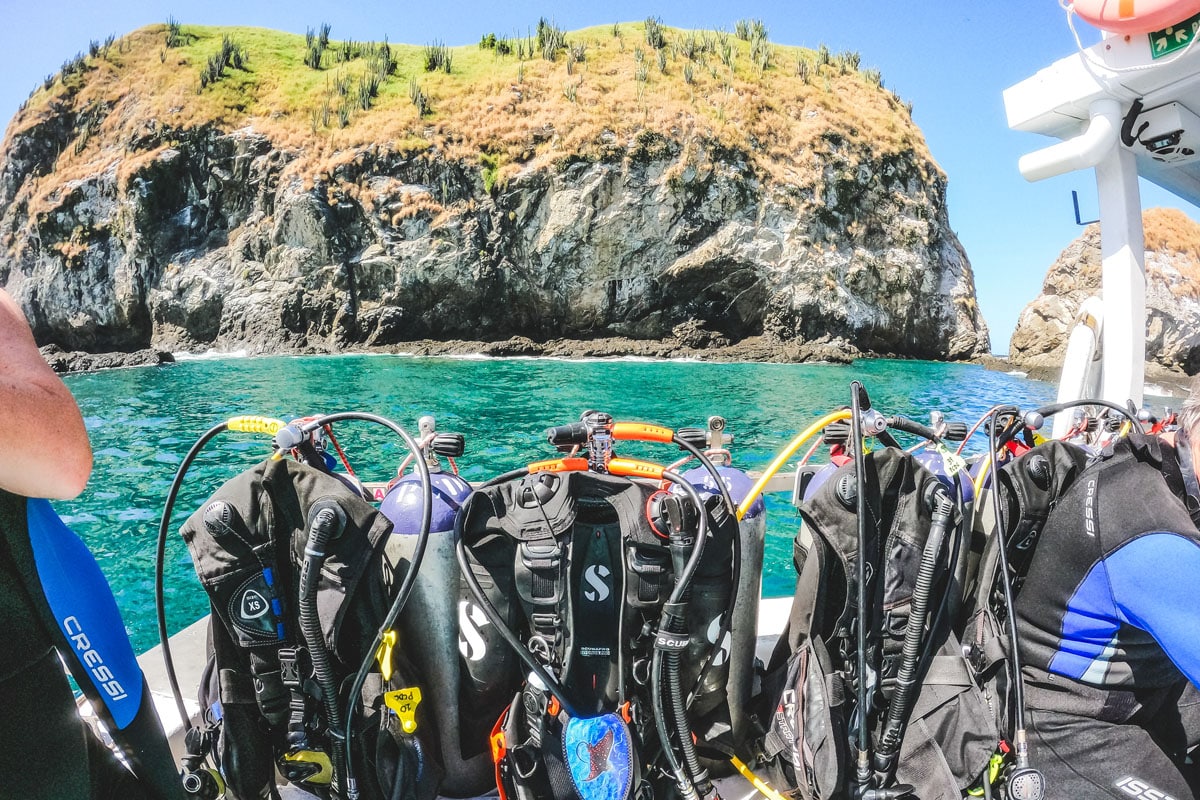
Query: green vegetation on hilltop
{"x": 541, "y": 95}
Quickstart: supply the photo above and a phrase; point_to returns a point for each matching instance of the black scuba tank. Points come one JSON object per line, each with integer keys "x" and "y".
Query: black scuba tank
{"x": 724, "y": 603}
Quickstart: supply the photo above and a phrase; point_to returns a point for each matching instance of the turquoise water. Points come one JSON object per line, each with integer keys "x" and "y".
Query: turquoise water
{"x": 143, "y": 421}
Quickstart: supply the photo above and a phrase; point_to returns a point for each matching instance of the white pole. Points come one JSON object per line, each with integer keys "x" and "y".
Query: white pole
{"x": 1122, "y": 247}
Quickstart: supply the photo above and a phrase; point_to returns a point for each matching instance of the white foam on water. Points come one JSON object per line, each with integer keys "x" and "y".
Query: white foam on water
{"x": 209, "y": 355}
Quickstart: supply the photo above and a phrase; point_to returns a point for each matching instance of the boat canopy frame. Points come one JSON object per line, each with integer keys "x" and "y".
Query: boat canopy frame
{"x": 1125, "y": 110}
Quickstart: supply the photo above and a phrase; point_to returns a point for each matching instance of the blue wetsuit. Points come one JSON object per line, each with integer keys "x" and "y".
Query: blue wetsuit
{"x": 1110, "y": 629}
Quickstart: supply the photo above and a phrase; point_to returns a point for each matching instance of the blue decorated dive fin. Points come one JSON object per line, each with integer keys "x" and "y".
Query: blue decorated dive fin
{"x": 96, "y": 648}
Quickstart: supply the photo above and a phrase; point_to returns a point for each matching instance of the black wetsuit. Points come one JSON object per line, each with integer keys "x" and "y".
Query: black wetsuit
{"x": 46, "y": 750}
{"x": 1109, "y": 626}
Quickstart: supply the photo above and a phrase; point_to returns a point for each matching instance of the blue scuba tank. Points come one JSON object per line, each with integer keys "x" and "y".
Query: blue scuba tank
{"x": 429, "y": 625}
{"x": 961, "y": 479}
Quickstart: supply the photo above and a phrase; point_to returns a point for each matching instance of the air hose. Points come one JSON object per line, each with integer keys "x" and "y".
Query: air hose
{"x": 784, "y": 455}
{"x": 406, "y": 585}
{"x": 862, "y": 768}
{"x": 906, "y": 677}
{"x": 1022, "y": 768}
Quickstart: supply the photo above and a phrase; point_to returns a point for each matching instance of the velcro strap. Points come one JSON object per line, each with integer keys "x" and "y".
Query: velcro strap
{"x": 948, "y": 670}
{"x": 670, "y": 642}
{"x": 236, "y": 687}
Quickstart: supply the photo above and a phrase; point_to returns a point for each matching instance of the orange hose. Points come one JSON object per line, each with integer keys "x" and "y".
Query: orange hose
{"x": 633, "y": 468}
{"x": 560, "y": 465}
{"x": 642, "y": 432}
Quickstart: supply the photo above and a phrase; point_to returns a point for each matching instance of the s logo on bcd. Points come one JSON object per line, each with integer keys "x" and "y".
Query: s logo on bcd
{"x": 714, "y": 628}
{"x": 470, "y": 619}
{"x": 596, "y": 577}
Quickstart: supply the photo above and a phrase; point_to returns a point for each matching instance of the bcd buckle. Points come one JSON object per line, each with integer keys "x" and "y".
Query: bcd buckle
{"x": 307, "y": 766}
{"x": 290, "y": 667}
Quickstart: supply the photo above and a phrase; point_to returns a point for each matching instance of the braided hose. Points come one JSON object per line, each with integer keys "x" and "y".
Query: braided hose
{"x": 320, "y": 531}
{"x": 914, "y": 631}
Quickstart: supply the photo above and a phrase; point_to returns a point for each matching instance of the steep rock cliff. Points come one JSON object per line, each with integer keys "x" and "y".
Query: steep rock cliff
{"x": 1172, "y": 296}
{"x": 236, "y": 231}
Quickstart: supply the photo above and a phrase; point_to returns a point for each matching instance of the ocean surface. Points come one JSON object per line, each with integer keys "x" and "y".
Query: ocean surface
{"x": 143, "y": 421}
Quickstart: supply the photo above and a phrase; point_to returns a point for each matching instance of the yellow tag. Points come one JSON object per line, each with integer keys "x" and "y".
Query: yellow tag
{"x": 384, "y": 654}
{"x": 953, "y": 462}
{"x": 404, "y": 702}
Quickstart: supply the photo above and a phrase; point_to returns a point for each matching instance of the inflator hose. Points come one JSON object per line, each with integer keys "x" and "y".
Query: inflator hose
{"x": 406, "y": 585}
{"x": 860, "y": 402}
{"x": 902, "y": 697}
{"x": 674, "y": 622}
{"x": 160, "y": 555}
{"x": 325, "y": 524}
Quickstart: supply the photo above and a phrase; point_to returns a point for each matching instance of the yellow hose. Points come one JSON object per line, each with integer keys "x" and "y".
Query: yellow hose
{"x": 784, "y": 455}
{"x": 265, "y": 425}
{"x": 984, "y": 468}
{"x": 756, "y": 781}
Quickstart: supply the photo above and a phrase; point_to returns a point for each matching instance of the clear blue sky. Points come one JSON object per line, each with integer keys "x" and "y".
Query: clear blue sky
{"x": 951, "y": 59}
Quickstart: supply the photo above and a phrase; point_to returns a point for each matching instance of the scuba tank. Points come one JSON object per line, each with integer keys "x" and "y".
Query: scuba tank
{"x": 725, "y": 596}
{"x": 429, "y": 627}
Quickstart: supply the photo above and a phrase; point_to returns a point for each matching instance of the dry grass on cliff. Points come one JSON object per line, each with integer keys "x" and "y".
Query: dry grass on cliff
{"x": 1170, "y": 230}
{"x": 789, "y": 118}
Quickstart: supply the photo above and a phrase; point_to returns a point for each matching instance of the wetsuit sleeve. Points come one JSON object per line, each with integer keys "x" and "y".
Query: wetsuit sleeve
{"x": 1155, "y": 582}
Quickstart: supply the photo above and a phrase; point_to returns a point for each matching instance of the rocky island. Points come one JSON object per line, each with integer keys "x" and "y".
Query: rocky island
{"x": 1172, "y": 300}
{"x": 625, "y": 189}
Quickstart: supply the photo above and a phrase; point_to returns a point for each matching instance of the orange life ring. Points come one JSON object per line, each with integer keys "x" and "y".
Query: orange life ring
{"x": 1135, "y": 16}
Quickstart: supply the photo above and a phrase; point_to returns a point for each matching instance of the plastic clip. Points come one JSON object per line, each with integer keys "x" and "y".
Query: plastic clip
{"x": 384, "y": 654}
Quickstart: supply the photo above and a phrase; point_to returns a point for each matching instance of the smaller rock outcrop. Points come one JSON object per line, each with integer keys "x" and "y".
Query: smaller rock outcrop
{"x": 1172, "y": 296}
{"x": 77, "y": 361}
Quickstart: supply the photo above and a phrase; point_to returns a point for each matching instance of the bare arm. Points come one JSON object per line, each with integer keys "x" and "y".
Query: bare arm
{"x": 44, "y": 449}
